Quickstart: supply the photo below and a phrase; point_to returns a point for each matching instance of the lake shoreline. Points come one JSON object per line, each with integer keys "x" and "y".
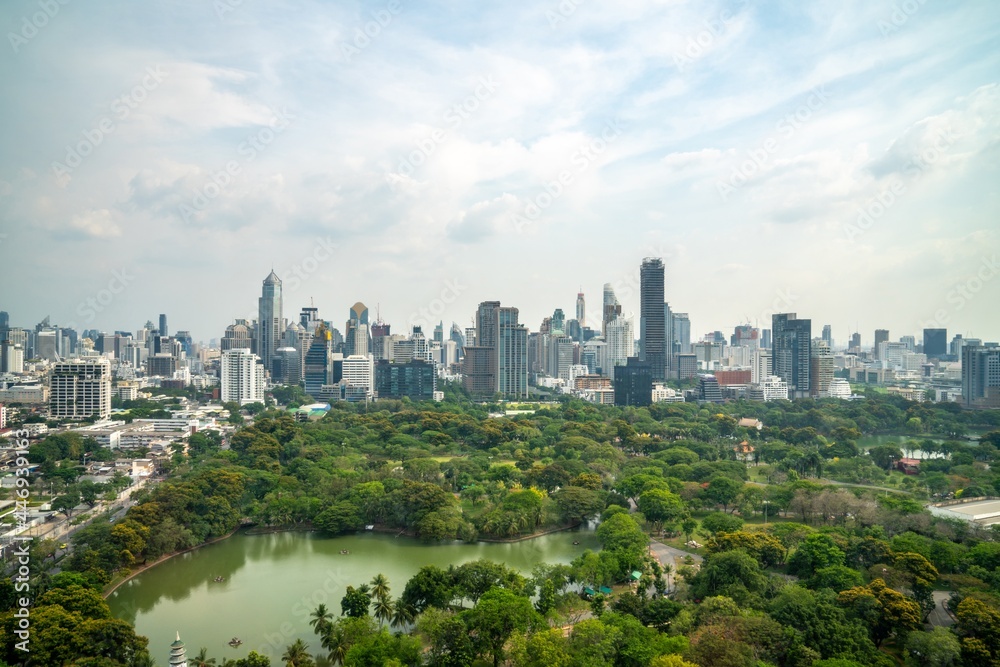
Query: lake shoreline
{"x": 310, "y": 529}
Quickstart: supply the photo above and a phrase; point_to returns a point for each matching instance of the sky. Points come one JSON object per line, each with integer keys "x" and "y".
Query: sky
{"x": 839, "y": 159}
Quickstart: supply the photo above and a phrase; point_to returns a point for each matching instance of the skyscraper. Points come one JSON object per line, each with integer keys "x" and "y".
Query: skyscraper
{"x": 935, "y": 343}
{"x": 791, "y": 351}
{"x": 558, "y": 321}
{"x": 581, "y": 309}
{"x": 881, "y": 336}
{"x": 620, "y": 340}
{"x": 828, "y": 335}
{"x": 980, "y": 375}
{"x": 4, "y": 325}
{"x": 163, "y": 324}
{"x": 80, "y": 388}
{"x": 634, "y": 383}
{"x": 820, "y": 369}
{"x": 855, "y": 342}
{"x": 356, "y": 332}
{"x": 499, "y": 360}
{"x": 612, "y": 308}
{"x": 512, "y": 355}
{"x": 238, "y": 335}
{"x": 242, "y": 377}
{"x": 270, "y": 323}
{"x": 652, "y": 328}
{"x": 318, "y": 361}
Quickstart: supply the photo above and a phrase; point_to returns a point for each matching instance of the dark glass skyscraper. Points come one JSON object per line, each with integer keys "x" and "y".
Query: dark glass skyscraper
{"x": 652, "y": 323}
{"x": 270, "y": 324}
{"x": 935, "y": 343}
{"x": 791, "y": 340}
{"x": 634, "y": 383}
{"x": 163, "y": 324}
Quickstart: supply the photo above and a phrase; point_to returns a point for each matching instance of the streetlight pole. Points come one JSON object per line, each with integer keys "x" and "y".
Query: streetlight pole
{"x": 765, "y": 503}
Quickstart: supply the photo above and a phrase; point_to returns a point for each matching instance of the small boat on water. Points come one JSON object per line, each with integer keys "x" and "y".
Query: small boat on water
{"x": 235, "y": 641}
{"x": 220, "y": 579}
{"x": 344, "y": 552}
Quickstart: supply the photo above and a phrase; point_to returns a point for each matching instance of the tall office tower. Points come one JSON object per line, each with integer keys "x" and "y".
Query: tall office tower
{"x": 242, "y": 377}
{"x": 955, "y": 347}
{"x": 558, "y": 321}
{"x": 309, "y": 318}
{"x": 357, "y": 317}
{"x": 184, "y": 339}
{"x": 439, "y": 333}
{"x": 11, "y": 357}
{"x": 595, "y": 356}
{"x": 270, "y": 324}
{"x": 238, "y": 336}
{"x": 4, "y": 325}
{"x": 620, "y": 339}
{"x": 163, "y": 324}
{"x": 414, "y": 379}
{"x": 287, "y": 366}
{"x": 612, "y": 308}
{"x": 761, "y": 367}
{"x": 80, "y": 388}
{"x": 470, "y": 336}
{"x": 581, "y": 309}
{"x": 316, "y": 372}
{"x": 765, "y": 338}
{"x": 560, "y": 356}
{"x": 359, "y": 340}
{"x": 479, "y": 370}
{"x": 910, "y": 342}
{"x": 745, "y": 335}
{"x": 790, "y": 352}
{"x": 45, "y": 345}
{"x": 855, "y": 342}
{"x": 652, "y": 328}
{"x": 512, "y": 355}
{"x": 682, "y": 332}
{"x": 456, "y": 335}
{"x": 935, "y": 343}
{"x": 359, "y": 375}
{"x": 633, "y": 383}
{"x": 881, "y": 336}
{"x": 381, "y": 340}
{"x": 980, "y": 375}
{"x": 828, "y": 335}
{"x": 672, "y": 346}
{"x": 820, "y": 369}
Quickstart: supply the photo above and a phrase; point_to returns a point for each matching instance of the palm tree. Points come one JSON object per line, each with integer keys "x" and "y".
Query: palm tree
{"x": 202, "y": 659}
{"x": 382, "y": 608}
{"x": 296, "y": 655}
{"x": 380, "y": 586}
{"x": 403, "y": 614}
{"x": 335, "y": 641}
{"x": 320, "y": 619}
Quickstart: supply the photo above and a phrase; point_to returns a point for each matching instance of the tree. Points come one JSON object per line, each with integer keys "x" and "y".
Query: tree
{"x": 296, "y": 655}
{"x": 339, "y": 518}
{"x": 723, "y": 491}
{"x": 661, "y": 507}
{"x": 380, "y": 586}
{"x": 547, "y": 648}
{"x": 765, "y": 548}
{"x": 355, "y": 602}
{"x": 429, "y": 587}
{"x": 67, "y": 502}
{"x": 622, "y": 538}
{"x": 577, "y": 504}
{"x": 202, "y": 659}
{"x": 836, "y": 577}
{"x": 450, "y": 644}
{"x": 320, "y": 619}
{"x": 688, "y": 526}
{"x": 735, "y": 574}
{"x": 717, "y": 522}
{"x": 817, "y": 551}
{"x": 884, "y": 611}
{"x": 475, "y": 578}
{"x": 937, "y": 648}
{"x": 499, "y": 614}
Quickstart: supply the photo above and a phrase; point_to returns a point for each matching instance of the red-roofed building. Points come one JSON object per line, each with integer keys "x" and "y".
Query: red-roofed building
{"x": 908, "y": 466}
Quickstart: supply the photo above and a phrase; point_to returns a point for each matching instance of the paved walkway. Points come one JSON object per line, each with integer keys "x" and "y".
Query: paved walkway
{"x": 673, "y": 557}
{"x": 940, "y": 615}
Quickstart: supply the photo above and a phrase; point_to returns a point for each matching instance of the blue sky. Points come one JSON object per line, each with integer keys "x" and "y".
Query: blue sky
{"x": 835, "y": 159}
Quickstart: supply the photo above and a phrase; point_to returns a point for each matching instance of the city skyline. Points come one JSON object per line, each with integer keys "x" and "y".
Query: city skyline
{"x": 852, "y": 171}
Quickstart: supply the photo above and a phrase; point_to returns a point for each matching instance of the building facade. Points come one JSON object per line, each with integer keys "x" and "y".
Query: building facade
{"x": 80, "y": 388}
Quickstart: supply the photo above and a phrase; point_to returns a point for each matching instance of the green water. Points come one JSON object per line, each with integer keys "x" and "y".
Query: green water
{"x": 867, "y": 442}
{"x": 273, "y": 581}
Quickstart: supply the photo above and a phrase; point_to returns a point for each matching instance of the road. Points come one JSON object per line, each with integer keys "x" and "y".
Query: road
{"x": 672, "y": 557}
{"x": 940, "y": 616}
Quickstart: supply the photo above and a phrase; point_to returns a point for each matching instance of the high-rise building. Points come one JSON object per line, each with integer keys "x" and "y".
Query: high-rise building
{"x": 709, "y": 389}
{"x": 828, "y": 335}
{"x": 745, "y": 335}
{"x": 163, "y": 324}
{"x": 309, "y": 318}
{"x": 270, "y": 322}
{"x": 238, "y": 336}
{"x": 581, "y": 309}
{"x": 855, "y": 342}
{"x": 821, "y": 369}
{"x": 560, "y": 356}
{"x": 682, "y": 332}
{"x": 4, "y": 324}
{"x": 881, "y": 336}
{"x": 558, "y": 321}
{"x": 46, "y": 345}
{"x": 242, "y": 377}
{"x": 935, "y": 343}
{"x": 499, "y": 360}
{"x": 790, "y": 352}
{"x": 512, "y": 355}
{"x": 771, "y": 388}
{"x": 652, "y": 328}
{"x": 634, "y": 383}
{"x": 761, "y": 366}
{"x": 980, "y": 375}
{"x": 612, "y": 308}
{"x": 687, "y": 365}
{"x": 287, "y": 366}
{"x": 620, "y": 339}
{"x": 318, "y": 361}
{"x": 910, "y": 342}
{"x": 415, "y": 380}
{"x": 80, "y": 388}
{"x": 359, "y": 375}
{"x": 161, "y": 364}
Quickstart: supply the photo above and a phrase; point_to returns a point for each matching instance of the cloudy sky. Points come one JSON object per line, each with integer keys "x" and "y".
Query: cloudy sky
{"x": 837, "y": 159}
